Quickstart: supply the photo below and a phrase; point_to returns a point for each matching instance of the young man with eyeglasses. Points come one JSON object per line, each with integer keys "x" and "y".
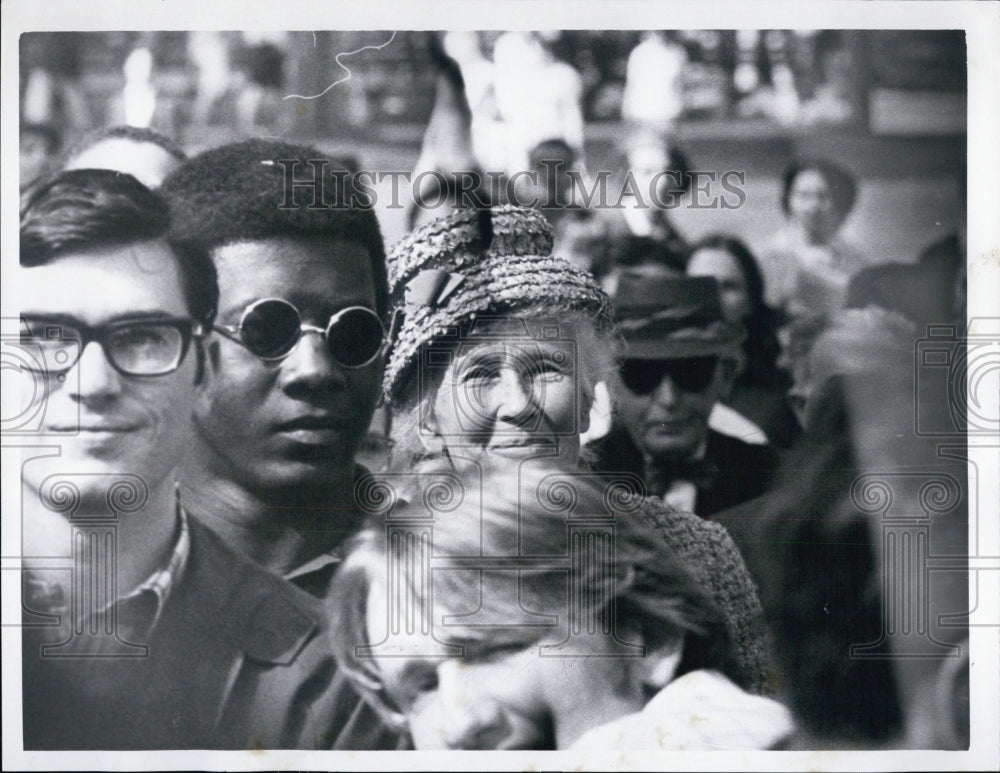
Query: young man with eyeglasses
{"x": 143, "y": 630}
{"x": 681, "y": 358}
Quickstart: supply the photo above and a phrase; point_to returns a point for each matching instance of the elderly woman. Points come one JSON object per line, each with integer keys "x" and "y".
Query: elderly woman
{"x": 808, "y": 262}
{"x": 593, "y": 636}
{"x": 497, "y": 348}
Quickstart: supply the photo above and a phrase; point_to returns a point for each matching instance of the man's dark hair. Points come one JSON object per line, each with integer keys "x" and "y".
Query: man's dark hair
{"x": 86, "y": 208}
{"x": 240, "y": 192}
{"x": 134, "y": 133}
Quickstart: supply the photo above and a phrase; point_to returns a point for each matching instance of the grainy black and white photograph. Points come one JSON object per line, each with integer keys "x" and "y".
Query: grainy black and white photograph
{"x": 610, "y": 386}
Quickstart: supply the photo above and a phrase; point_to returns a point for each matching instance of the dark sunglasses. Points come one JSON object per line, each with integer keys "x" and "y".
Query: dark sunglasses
{"x": 271, "y": 329}
{"x": 691, "y": 374}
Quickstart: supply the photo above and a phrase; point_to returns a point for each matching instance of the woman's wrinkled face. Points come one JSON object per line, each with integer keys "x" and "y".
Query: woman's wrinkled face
{"x": 810, "y": 205}
{"x": 512, "y": 398}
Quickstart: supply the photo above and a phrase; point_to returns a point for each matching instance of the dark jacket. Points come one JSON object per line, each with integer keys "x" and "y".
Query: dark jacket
{"x": 238, "y": 660}
{"x": 740, "y": 471}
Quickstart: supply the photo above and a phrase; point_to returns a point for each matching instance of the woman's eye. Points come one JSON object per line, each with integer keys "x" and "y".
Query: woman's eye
{"x": 551, "y": 370}
{"x": 480, "y": 373}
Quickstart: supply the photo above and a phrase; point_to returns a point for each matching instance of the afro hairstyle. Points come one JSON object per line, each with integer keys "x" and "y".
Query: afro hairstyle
{"x": 259, "y": 189}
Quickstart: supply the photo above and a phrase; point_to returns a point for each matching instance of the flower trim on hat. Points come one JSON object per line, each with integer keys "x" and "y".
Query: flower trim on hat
{"x": 524, "y": 282}
{"x": 451, "y": 242}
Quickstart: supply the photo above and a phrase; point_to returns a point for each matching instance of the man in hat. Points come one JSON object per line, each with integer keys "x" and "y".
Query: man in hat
{"x": 681, "y": 358}
{"x": 146, "y": 154}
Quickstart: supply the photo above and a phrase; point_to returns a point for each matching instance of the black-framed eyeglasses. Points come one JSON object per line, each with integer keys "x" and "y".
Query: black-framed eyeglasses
{"x": 691, "y": 374}
{"x": 141, "y": 347}
{"x": 271, "y": 328}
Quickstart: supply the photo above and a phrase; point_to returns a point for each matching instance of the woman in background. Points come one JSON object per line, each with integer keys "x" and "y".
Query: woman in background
{"x": 759, "y": 392}
{"x": 808, "y": 263}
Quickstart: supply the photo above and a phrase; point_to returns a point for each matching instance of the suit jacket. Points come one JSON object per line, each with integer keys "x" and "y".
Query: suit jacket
{"x": 743, "y": 470}
{"x": 238, "y": 660}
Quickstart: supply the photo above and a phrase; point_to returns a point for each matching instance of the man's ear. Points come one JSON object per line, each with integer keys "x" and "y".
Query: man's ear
{"x": 208, "y": 367}
{"x": 584, "y": 402}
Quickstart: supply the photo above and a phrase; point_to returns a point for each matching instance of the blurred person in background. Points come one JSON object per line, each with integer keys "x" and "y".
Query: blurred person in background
{"x": 660, "y": 654}
{"x": 446, "y": 152}
{"x": 259, "y": 70}
{"x": 931, "y": 291}
{"x": 848, "y": 341}
{"x": 146, "y": 154}
{"x": 643, "y": 255}
{"x": 583, "y": 236}
{"x": 821, "y": 347}
{"x": 839, "y": 548}
{"x": 51, "y": 64}
{"x": 538, "y": 96}
{"x": 842, "y": 545}
{"x": 487, "y": 128}
{"x": 38, "y": 145}
{"x": 833, "y": 100}
{"x": 498, "y": 348}
{"x": 654, "y": 93}
{"x": 657, "y": 177}
{"x": 759, "y": 391}
{"x": 681, "y": 358}
{"x": 807, "y": 264}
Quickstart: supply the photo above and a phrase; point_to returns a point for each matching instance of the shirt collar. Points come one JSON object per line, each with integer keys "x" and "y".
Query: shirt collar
{"x": 162, "y": 581}
{"x": 139, "y": 610}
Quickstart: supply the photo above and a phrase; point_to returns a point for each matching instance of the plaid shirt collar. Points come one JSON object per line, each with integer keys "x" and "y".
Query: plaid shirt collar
{"x": 163, "y": 581}
{"x": 139, "y": 610}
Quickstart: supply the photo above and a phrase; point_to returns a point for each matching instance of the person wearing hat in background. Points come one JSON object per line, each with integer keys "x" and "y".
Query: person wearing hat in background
{"x": 497, "y": 349}
{"x": 681, "y": 358}
{"x": 144, "y": 153}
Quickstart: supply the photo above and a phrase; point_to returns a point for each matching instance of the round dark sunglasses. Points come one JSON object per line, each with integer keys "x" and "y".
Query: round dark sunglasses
{"x": 271, "y": 329}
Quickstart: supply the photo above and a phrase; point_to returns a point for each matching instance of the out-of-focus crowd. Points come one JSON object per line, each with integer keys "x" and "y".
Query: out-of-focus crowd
{"x": 668, "y": 456}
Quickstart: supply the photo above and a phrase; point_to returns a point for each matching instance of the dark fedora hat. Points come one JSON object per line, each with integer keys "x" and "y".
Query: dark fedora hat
{"x": 669, "y": 317}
